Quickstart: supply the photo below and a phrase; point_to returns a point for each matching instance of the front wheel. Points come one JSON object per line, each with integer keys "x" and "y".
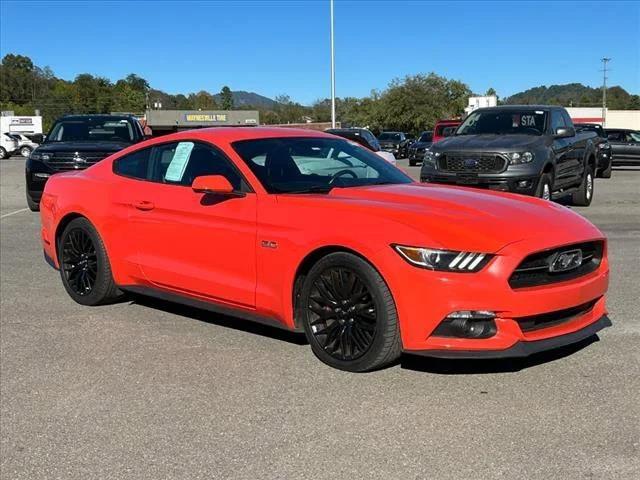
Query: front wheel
{"x": 544, "y": 187}
{"x": 584, "y": 195}
{"x": 84, "y": 265}
{"x": 348, "y": 314}
{"x": 25, "y": 152}
{"x": 606, "y": 173}
{"x": 32, "y": 204}
{"x": 3, "y": 153}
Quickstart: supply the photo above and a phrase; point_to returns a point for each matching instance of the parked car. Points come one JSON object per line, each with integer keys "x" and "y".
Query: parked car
{"x": 8, "y": 145}
{"x": 444, "y": 129}
{"x": 603, "y": 148}
{"x": 309, "y": 232}
{"x": 625, "y": 146}
{"x": 532, "y": 150}
{"x": 395, "y": 142}
{"x": 419, "y": 147}
{"x": 76, "y": 142}
{"x": 24, "y": 144}
{"x": 365, "y": 138}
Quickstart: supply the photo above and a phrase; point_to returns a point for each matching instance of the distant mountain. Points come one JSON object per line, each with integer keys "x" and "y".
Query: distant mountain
{"x": 246, "y": 99}
{"x": 577, "y": 95}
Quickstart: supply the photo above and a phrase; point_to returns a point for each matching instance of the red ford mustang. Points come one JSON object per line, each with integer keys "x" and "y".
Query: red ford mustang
{"x": 310, "y": 232}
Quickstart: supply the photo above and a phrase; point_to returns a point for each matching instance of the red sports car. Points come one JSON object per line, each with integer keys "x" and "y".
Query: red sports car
{"x": 310, "y": 232}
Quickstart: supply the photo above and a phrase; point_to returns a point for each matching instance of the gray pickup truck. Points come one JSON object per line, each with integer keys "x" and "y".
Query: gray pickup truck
{"x": 530, "y": 149}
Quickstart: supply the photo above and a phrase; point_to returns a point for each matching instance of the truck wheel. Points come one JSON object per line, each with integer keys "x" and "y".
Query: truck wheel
{"x": 606, "y": 173}
{"x": 584, "y": 195}
{"x": 544, "y": 187}
{"x": 412, "y": 163}
{"x": 32, "y": 204}
{"x": 3, "y": 153}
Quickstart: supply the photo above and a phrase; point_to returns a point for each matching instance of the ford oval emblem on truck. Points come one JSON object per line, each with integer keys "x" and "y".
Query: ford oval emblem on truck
{"x": 471, "y": 162}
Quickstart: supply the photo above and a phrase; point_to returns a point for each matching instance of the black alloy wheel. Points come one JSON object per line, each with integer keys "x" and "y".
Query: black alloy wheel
{"x": 348, "y": 314}
{"x": 79, "y": 261}
{"x": 84, "y": 265}
{"x": 343, "y": 314}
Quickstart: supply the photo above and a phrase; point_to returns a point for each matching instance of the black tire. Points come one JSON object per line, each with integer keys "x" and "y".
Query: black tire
{"x": 32, "y": 204}
{"x": 544, "y": 188}
{"x": 84, "y": 265}
{"x": 584, "y": 195}
{"x": 25, "y": 152}
{"x": 606, "y": 173}
{"x": 364, "y": 335}
{"x": 3, "y": 153}
{"x": 412, "y": 163}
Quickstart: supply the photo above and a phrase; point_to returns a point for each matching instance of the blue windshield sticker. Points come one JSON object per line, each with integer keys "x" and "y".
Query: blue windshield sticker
{"x": 178, "y": 164}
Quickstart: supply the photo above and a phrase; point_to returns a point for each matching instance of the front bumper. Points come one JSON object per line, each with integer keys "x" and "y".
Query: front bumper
{"x": 523, "y": 348}
{"x": 424, "y": 298}
{"x": 526, "y": 185}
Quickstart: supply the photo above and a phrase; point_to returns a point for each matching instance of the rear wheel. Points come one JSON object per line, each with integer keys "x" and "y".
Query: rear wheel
{"x": 84, "y": 265}
{"x": 3, "y": 153}
{"x": 349, "y": 315}
{"x": 584, "y": 195}
{"x": 544, "y": 187}
{"x": 25, "y": 152}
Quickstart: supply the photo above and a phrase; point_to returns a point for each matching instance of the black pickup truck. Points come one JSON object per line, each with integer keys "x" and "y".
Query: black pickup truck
{"x": 76, "y": 142}
{"x": 530, "y": 149}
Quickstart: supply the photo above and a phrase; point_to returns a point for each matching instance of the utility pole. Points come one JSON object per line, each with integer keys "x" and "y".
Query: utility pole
{"x": 604, "y": 61}
{"x": 333, "y": 74}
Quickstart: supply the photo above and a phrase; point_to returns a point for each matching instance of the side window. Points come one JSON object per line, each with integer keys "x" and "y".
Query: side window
{"x": 557, "y": 120}
{"x": 567, "y": 119}
{"x": 134, "y": 165}
{"x": 179, "y": 163}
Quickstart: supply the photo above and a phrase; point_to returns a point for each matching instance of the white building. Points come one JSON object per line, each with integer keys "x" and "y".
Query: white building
{"x": 481, "y": 102}
{"x": 614, "y": 118}
{"x": 24, "y": 125}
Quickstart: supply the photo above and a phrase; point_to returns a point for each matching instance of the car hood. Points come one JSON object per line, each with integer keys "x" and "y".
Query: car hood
{"x": 492, "y": 142}
{"x": 110, "y": 147}
{"x": 468, "y": 219}
{"x": 420, "y": 144}
{"x": 389, "y": 142}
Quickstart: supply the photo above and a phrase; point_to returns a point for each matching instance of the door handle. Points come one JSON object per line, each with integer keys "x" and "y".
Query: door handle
{"x": 144, "y": 205}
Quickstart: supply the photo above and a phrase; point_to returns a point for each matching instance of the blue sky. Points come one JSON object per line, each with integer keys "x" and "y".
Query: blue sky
{"x": 282, "y": 47}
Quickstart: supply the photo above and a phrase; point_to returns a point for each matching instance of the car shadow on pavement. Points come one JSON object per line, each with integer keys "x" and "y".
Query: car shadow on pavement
{"x": 484, "y": 366}
{"x": 218, "y": 319}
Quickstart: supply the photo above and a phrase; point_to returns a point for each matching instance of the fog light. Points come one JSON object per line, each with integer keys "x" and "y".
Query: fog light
{"x": 41, "y": 175}
{"x": 467, "y": 324}
{"x": 524, "y": 184}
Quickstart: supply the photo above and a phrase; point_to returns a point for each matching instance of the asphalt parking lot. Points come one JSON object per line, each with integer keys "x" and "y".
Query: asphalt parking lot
{"x": 149, "y": 390}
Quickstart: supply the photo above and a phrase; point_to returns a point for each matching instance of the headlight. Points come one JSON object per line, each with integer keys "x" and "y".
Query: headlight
{"x": 602, "y": 146}
{"x": 517, "y": 158}
{"x": 35, "y": 156}
{"x": 430, "y": 157}
{"x": 443, "y": 260}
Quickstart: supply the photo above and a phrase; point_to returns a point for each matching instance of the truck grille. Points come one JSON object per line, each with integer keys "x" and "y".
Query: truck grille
{"x": 535, "y": 269}
{"x": 551, "y": 319}
{"x": 71, "y": 161}
{"x": 480, "y": 163}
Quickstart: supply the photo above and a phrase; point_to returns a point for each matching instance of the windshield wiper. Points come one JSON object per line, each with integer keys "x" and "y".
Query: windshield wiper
{"x": 313, "y": 189}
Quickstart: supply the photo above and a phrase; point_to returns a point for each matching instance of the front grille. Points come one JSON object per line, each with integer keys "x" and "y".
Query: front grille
{"x": 550, "y": 319}
{"x": 476, "y": 163}
{"x": 535, "y": 269}
{"x": 68, "y": 160}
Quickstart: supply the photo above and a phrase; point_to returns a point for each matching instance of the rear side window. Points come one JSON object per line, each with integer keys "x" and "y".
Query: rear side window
{"x": 134, "y": 165}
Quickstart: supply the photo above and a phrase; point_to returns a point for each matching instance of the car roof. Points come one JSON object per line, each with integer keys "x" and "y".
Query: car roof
{"x": 521, "y": 107}
{"x": 233, "y": 134}
{"x": 99, "y": 115}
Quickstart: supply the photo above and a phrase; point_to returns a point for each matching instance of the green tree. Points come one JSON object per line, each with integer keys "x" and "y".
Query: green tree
{"x": 226, "y": 98}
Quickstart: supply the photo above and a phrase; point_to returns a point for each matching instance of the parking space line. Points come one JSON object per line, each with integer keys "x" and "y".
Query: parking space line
{"x": 13, "y": 213}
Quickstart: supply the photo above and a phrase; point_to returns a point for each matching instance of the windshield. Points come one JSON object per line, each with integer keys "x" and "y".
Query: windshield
{"x": 505, "y": 122}
{"x": 389, "y": 136}
{"x": 426, "y": 137}
{"x": 92, "y": 130}
{"x": 303, "y": 165}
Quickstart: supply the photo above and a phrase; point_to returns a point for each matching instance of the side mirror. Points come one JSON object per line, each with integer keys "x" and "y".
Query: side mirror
{"x": 215, "y": 185}
{"x": 564, "y": 132}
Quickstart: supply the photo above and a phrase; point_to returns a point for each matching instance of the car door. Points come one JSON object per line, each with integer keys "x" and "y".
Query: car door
{"x": 195, "y": 243}
{"x": 564, "y": 173}
{"x": 617, "y": 141}
{"x": 631, "y": 146}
